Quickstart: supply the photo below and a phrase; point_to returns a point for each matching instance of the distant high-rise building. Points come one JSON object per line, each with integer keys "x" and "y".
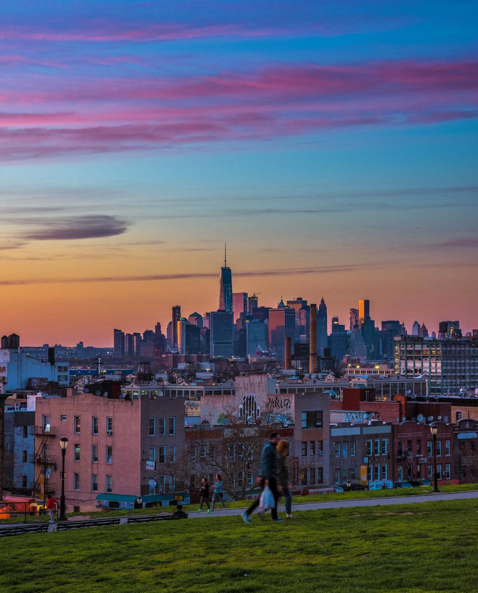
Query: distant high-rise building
{"x": 338, "y": 340}
{"x": 118, "y": 343}
{"x": 416, "y": 329}
{"x": 222, "y": 334}
{"x": 225, "y": 288}
{"x": 302, "y": 311}
{"x": 129, "y": 344}
{"x": 252, "y": 303}
{"x": 322, "y": 335}
{"x": 364, "y": 310}
{"x": 193, "y": 339}
{"x": 281, "y": 324}
{"x": 196, "y": 319}
{"x": 256, "y": 337}
{"x": 138, "y": 340}
{"x": 368, "y": 332}
{"x": 390, "y": 329}
{"x": 423, "y": 331}
{"x": 313, "y": 340}
{"x": 239, "y": 304}
{"x": 354, "y": 319}
{"x": 176, "y": 316}
{"x": 181, "y": 330}
{"x": 149, "y": 336}
{"x": 358, "y": 349}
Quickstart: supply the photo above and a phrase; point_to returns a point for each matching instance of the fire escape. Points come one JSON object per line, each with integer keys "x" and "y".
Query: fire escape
{"x": 44, "y": 462}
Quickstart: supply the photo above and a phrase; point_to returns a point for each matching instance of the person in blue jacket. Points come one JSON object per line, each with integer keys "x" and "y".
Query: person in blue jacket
{"x": 218, "y": 493}
{"x": 267, "y": 477}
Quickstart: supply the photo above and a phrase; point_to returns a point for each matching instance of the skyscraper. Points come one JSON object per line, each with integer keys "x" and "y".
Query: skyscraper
{"x": 225, "y": 294}
{"x": 196, "y": 319}
{"x": 118, "y": 343}
{"x": 281, "y": 325}
{"x": 222, "y": 336}
{"x": 354, "y": 319}
{"x": 313, "y": 340}
{"x": 239, "y": 304}
{"x": 256, "y": 337}
{"x": 338, "y": 340}
{"x": 364, "y": 310}
{"x": 322, "y": 335}
{"x": 252, "y": 303}
{"x": 176, "y": 316}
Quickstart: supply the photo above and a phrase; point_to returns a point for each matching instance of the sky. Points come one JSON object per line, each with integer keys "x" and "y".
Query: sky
{"x": 332, "y": 145}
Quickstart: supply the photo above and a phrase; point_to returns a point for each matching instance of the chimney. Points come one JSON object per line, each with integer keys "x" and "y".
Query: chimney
{"x": 288, "y": 353}
{"x": 313, "y": 339}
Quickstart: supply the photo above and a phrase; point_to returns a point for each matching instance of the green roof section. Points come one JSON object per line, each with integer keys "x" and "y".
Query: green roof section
{"x": 117, "y": 497}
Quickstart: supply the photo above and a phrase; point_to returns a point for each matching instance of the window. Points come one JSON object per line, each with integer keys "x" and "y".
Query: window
{"x": 77, "y": 452}
{"x": 447, "y": 448}
{"x": 458, "y": 416}
{"x": 63, "y": 418}
{"x": 345, "y": 474}
{"x": 345, "y": 449}
{"x": 231, "y": 451}
{"x": 400, "y": 449}
{"x": 337, "y": 449}
{"x": 76, "y": 481}
{"x": 162, "y": 484}
{"x": 337, "y": 476}
{"x": 94, "y": 425}
{"x": 312, "y": 448}
{"x": 448, "y": 471}
{"x": 312, "y": 475}
{"x": 24, "y": 481}
{"x": 384, "y": 446}
{"x": 94, "y": 453}
{"x": 368, "y": 448}
{"x": 419, "y": 447}
{"x": 109, "y": 425}
{"x": 384, "y": 472}
{"x": 109, "y": 454}
{"x": 353, "y": 448}
{"x": 438, "y": 448}
{"x": 161, "y": 426}
{"x": 152, "y": 454}
{"x": 172, "y": 426}
{"x": 352, "y": 473}
{"x": 162, "y": 454}
{"x": 430, "y": 449}
{"x": 77, "y": 425}
{"x": 409, "y": 447}
{"x": 46, "y": 423}
{"x": 376, "y": 447}
{"x": 320, "y": 475}
{"x": 171, "y": 483}
{"x": 377, "y": 473}
{"x": 25, "y": 432}
{"x": 320, "y": 447}
{"x": 172, "y": 454}
{"x": 24, "y": 456}
{"x": 430, "y": 472}
{"x": 304, "y": 448}
{"x": 109, "y": 484}
{"x": 303, "y": 477}
{"x": 193, "y": 451}
{"x": 400, "y": 473}
{"x": 438, "y": 472}
{"x": 152, "y": 427}
{"x": 94, "y": 482}
{"x": 312, "y": 419}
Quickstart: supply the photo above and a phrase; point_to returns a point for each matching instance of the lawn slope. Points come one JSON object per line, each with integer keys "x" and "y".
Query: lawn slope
{"x": 416, "y": 548}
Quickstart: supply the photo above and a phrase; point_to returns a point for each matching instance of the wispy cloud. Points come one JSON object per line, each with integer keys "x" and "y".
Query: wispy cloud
{"x": 77, "y": 227}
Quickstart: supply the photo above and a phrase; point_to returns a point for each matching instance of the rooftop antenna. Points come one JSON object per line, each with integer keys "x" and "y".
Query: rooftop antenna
{"x": 225, "y": 255}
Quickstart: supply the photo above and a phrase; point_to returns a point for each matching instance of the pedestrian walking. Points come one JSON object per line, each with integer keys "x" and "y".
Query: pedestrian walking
{"x": 204, "y": 495}
{"x": 283, "y": 477}
{"x": 51, "y": 507}
{"x": 218, "y": 493}
{"x": 267, "y": 477}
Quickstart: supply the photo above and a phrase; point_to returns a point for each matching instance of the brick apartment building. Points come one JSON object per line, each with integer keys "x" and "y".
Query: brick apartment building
{"x": 116, "y": 445}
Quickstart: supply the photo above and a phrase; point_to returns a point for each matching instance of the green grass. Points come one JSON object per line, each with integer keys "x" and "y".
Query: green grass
{"x": 418, "y": 548}
{"x": 245, "y": 503}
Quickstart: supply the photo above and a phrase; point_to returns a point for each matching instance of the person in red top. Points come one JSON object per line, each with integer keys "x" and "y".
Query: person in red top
{"x": 51, "y": 506}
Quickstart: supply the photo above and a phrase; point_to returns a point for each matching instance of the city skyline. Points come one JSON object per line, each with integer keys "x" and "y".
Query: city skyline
{"x": 332, "y": 146}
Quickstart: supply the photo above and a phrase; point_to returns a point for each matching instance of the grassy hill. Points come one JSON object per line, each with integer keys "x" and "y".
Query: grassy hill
{"x": 416, "y": 548}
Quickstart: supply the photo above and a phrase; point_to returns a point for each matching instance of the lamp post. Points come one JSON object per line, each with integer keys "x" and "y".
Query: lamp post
{"x": 63, "y": 446}
{"x": 139, "y": 502}
{"x": 434, "y": 431}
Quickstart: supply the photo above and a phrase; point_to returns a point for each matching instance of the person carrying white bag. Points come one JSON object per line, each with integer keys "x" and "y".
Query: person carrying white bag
{"x": 267, "y": 482}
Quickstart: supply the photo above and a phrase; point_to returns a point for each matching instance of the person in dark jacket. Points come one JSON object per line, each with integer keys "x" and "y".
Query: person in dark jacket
{"x": 218, "y": 493}
{"x": 283, "y": 477}
{"x": 204, "y": 495}
{"x": 179, "y": 513}
{"x": 267, "y": 477}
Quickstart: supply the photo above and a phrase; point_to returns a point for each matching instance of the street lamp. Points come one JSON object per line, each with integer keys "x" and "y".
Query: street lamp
{"x": 63, "y": 446}
{"x": 139, "y": 502}
{"x": 434, "y": 431}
